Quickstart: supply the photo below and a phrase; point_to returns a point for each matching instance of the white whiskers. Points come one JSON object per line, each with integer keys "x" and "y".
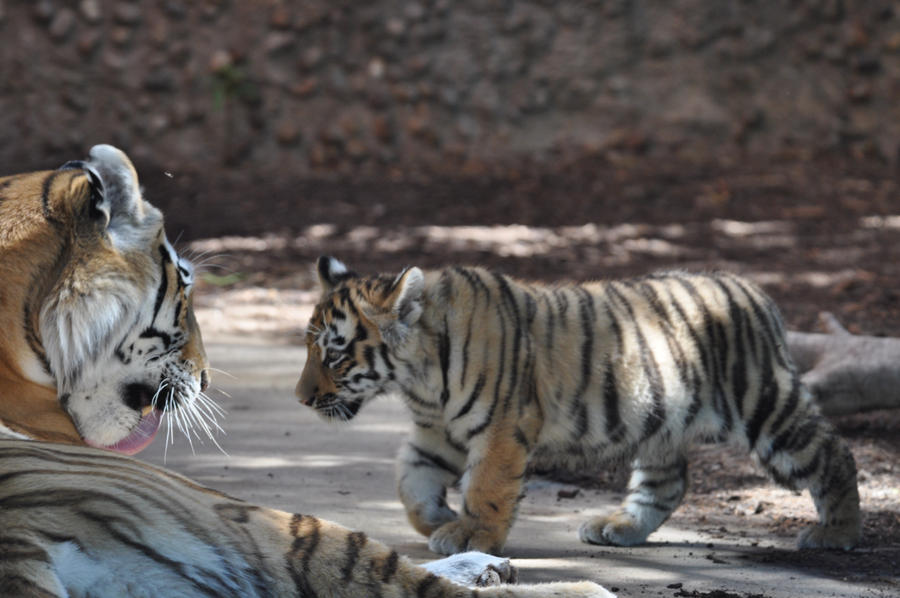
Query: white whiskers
{"x": 197, "y": 417}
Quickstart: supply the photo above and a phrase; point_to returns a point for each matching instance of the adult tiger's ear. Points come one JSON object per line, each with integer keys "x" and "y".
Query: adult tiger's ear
{"x": 331, "y": 271}
{"x": 405, "y": 298}
{"x": 116, "y": 194}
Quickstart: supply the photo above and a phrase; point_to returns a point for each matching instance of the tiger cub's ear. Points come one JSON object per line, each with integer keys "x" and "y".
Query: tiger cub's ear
{"x": 401, "y": 307}
{"x": 405, "y": 298}
{"x": 331, "y": 271}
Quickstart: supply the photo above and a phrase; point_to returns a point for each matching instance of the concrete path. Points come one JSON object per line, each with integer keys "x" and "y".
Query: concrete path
{"x": 281, "y": 455}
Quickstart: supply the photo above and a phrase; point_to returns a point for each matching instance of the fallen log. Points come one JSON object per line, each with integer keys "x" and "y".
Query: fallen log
{"x": 848, "y": 373}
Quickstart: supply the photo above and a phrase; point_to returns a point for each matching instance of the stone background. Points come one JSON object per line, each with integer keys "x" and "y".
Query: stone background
{"x": 384, "y": 88}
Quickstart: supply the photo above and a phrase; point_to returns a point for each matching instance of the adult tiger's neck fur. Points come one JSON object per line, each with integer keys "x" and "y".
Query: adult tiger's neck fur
{"x": 28, "y": 401}
{"x": 29, "y": 410}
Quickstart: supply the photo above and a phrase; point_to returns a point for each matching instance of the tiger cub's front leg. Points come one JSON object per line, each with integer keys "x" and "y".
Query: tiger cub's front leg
{"x": 491, "y": 489}
{"x": 423, "y": 476}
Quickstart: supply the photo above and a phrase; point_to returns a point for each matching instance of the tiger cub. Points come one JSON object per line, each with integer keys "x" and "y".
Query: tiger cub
{"x": 498, "y": 374}
{"x": 100, "y": 344}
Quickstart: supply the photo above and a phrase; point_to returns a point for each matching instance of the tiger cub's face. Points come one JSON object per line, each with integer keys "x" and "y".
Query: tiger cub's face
{"x": 354, "y": 336}
{"x": 108, "y": 314}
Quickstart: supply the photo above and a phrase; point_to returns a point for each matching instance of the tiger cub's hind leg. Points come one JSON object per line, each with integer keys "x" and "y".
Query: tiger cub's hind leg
{"x": 654, "y": 491}
{"x": 808, "y": 453}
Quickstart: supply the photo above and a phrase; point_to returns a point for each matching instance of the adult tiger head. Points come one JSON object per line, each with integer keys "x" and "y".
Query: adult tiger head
{"x": 98, "y": 337}
{"x": 359, "y": 328}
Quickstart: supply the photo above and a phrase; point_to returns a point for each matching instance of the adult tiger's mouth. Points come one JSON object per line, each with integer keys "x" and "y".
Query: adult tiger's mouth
{"x": 139, "y": 437}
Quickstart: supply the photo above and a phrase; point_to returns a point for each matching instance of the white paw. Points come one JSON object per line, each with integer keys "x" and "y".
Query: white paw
{"x": 818, "y": 536}
{"x": 474, "y": 569}
{"x": 616, "y": 529}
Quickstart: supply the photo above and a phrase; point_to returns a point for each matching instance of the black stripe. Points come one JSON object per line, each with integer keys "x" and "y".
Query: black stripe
{"x": 465, "y": 349}
{"x": 521, "y": 439}
{"x": 474, "y": 279}
{"x": 476, "y": 393}
{"x": 614, "y": 428}
{"x": 425, "y": 585}
{"x": 654, "y": 420}
{"x": 417, "y": 400}
{"x": 675, "y": 349}
{"x": 390, "y": 567}
{"x": 739, "y": 365}
{"x": 433, "y": 460}
{"x": 787, "y": 411}
{"x": 692, "y": 332}
{"x": 551, "y": 323}
{"x": 562, "y": 304}
{"x": 355, "y": 542}
{"x": 444, "y": 358}
{"x": 530, "y": 307}
{"x": 152, "y": 332}
{"x": 453, "y": 442}
{"x": 75, "y": 456}
{"x": 768, "y": 394}
{"x": 807, "y": 470}
{"x": 768, "y": 318}
{"x": 512, "y": 306}
{"x": 34, "y": 342}
{"x": 45, "y": 196}
{"x": 385, "y": 356}
{"x": 163, "y": 283}
{"x": 303, "y": 547}
{"x": 499, "y": 380}
{"x": 587, "y": 316}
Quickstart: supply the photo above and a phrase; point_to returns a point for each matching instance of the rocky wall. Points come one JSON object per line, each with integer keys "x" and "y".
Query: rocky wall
{"x": 352, "y": 86}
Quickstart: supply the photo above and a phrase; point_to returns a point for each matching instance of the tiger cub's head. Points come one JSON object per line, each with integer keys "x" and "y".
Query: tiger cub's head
{"x": 358, "y": 329}
{"x": 96, "y": 308}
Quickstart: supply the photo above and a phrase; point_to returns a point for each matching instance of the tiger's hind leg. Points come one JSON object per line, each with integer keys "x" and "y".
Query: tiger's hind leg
{"x": 26, "y": 570}
{"x": 806, "y": 452}
{"x": 654, "y": 491}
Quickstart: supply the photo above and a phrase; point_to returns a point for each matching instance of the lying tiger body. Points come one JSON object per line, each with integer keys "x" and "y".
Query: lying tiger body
{"x": 99, "y": 344}
{"x": 499, "y": 374}
{"x": 84, "y": 522}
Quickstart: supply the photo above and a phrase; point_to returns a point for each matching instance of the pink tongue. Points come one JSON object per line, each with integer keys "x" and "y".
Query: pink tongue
{"x": 140, "y": 437}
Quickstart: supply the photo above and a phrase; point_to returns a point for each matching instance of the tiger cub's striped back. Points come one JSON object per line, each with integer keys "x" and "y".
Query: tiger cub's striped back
{"x": 498, "y": 374}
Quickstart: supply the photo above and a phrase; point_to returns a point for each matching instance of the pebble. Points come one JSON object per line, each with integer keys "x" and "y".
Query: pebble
{"x": 62, "y": 24}
{"x": 128, "y": 14}
{"x": 90, "y": 10}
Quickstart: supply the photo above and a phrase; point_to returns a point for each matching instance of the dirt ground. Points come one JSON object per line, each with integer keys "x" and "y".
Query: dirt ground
{"x": 818, "y": 234}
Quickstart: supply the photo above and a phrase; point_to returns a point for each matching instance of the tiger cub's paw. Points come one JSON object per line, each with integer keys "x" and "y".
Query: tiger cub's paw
{"x": 618, "y": 529}
{"x": 829, "y": 536}
{"x": 426, "y": 518}
{"x": 460, "y": 536}
{"x": 474, "y": 569}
